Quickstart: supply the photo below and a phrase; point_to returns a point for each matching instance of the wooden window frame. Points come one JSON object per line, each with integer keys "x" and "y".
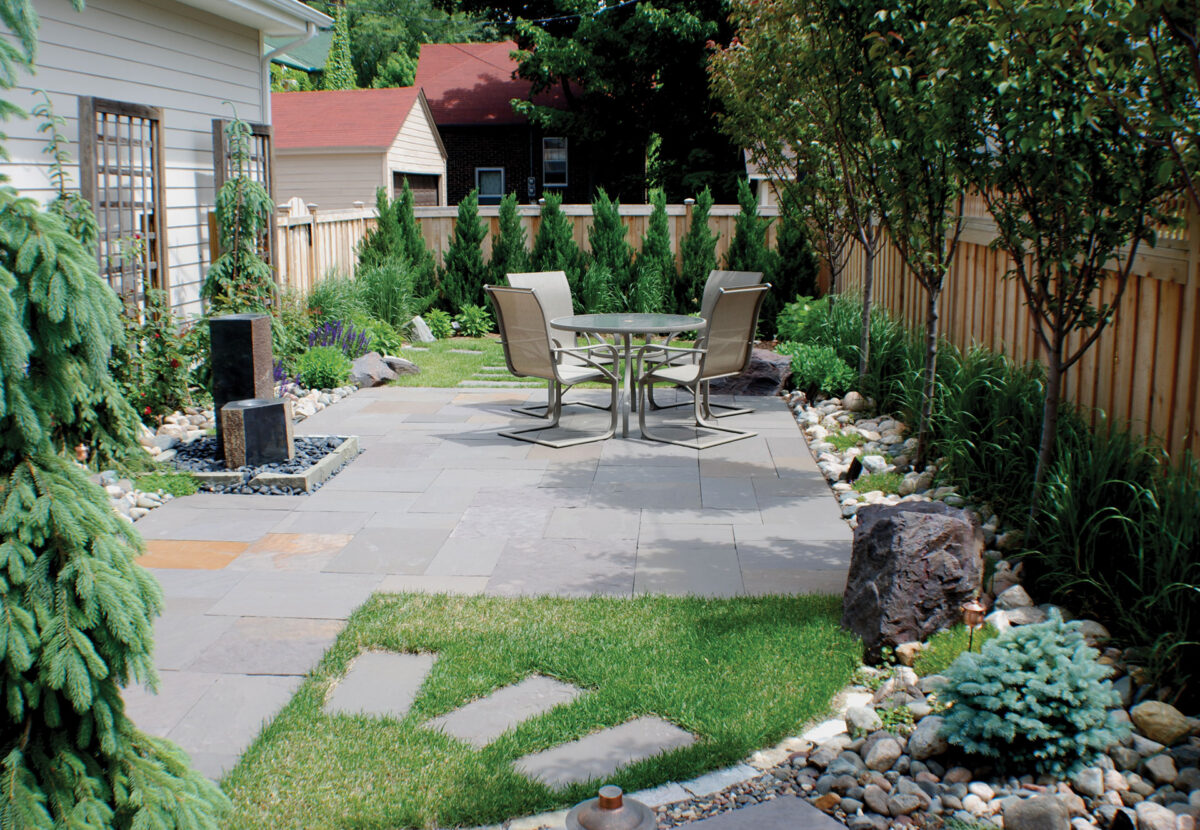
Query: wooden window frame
{"x": 90, "y": 168}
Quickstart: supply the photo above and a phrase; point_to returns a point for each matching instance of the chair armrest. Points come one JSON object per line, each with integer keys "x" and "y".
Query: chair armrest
{"x": 656, "y": 356}
{"x": 584, "y": 354}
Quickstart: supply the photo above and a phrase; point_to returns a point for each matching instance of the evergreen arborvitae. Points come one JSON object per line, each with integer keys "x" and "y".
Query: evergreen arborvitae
{"x": 383, "y": 242}
{"x": 748, "y": 249}
{"x": 699, "y": 255}
{"x": 339, "y": 67}
{"x": 77, "y": 614}
{"x": 509, "y": 254}
{"x": 796, "y": 265}
{"x": 412, "y": 246}
{"x": 607, "y": 240}
{"x": 464, "y": 273}
{"x": 656, "y": 256}
{"x": 555, "y": 248}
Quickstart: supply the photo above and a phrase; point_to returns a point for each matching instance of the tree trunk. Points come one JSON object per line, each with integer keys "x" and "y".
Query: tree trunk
{"x": 1054, "y": 376}
{"x": 864, "y": 346}
{"x": 930, "y": 374}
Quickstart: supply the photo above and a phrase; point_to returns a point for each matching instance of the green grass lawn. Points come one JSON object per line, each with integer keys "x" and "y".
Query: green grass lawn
{"x": 441, "y": 367}
{"x": 741, "y": 674}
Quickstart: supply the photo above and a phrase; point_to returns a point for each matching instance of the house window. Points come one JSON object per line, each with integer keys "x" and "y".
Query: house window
{"x": 554, "y": 162}
{"x": 490, "y": 183}
{"x": 121, "y": 174}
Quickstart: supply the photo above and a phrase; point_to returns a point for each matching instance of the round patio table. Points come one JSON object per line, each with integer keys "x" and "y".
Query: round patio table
{"x": 626, "y": 326}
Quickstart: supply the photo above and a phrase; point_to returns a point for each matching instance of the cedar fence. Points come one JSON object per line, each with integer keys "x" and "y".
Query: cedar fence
{"x": 321, "y": 243}
{"x": 1144, "y": 370}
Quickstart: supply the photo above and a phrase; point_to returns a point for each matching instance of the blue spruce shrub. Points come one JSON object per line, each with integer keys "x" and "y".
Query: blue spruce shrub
{"x": 1034, "y": 699}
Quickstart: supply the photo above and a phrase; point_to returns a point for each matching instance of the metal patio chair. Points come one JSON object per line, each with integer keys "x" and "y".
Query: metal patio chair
{"x": 554, "y": 293}
{"x": 712, "y": 286}
{"x": 722, "y": 349}
{"x": 529, "y": 351}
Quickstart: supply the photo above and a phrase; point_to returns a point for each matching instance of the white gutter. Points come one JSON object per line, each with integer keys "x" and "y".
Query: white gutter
{"x": 310, "y": 31}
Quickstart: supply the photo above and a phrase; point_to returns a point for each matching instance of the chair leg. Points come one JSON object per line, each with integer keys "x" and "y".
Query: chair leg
{"x": 544, "y": 411}
{"x": 553, "y": 418}
{"x": 701, "y": 421}
{"x": 709, "y": 406}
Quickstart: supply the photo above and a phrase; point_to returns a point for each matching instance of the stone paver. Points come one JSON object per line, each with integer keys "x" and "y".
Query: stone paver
{"x": 380, "y": 683}
{"x": 600, "y": 754}
{"x": 783, "y": 813}
{"x": 255, "y": 587}
{"x": 718, "y": 780}
{"x": 483, "y": 721}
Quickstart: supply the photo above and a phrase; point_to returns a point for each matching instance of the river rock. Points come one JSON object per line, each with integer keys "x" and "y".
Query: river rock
{"x": 1162, "y": 769}
{"x": 421, "y": 332}
{"x": 883, "y": 754}
{"x": 1042, "y": 812}
{"x": 912, "y": 567}
{"x": 1159, "y": 721}
{"x": 862, "y": 720}
{"x": 1151, "y": 816}
{"x": 854, "y": 402}
{"x": 1013, "y": 597}
{"x": 401, "y": 366}
{"x": 903, "y": 805}
{"x": 1089, "y": 781}
{"x": 370, "y": 370}
{"x": 926, "y": 740}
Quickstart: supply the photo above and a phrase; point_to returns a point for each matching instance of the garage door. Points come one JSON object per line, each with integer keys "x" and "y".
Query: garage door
{"x": 424, "y": 187}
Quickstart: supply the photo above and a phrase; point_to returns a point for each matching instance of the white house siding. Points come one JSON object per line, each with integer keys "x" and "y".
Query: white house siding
{"x": 416, "y": 150}
{"x": 156, "y": 53}
{"x": 332, "y": 179}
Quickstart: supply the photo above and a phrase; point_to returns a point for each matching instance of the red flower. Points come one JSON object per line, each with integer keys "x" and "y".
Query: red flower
{"x": 174, "y": 363}
{"x": 146, "y": 410}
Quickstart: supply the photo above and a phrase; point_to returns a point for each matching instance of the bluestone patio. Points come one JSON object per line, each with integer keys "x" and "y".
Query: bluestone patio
{"x": 257, "y": 587}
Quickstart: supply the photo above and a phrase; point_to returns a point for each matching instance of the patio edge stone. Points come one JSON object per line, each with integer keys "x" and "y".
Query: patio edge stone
{"x": 314, "y": 475}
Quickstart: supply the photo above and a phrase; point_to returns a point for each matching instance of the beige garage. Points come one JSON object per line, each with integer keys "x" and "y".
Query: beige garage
{"x": 335, "y": 148}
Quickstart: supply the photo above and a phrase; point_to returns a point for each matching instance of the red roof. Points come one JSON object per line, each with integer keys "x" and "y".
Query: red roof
{"x": 472, "y": 83}
{"x": 340, "y": 118}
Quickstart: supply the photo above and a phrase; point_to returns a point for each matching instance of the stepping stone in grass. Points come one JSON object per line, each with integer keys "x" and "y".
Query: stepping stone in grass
{"x": 498, "y": 383}
{"x": 599, "y": 755}
{"x": 783, "y": 813}
{"x": 463, "y": 351}
{"x": 484, "y": 720}
{"x": 380, "y": 683}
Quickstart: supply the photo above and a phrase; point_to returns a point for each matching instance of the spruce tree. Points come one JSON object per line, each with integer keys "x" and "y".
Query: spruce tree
{"x": 656, "y": 257}
{"x": 795, "y": 267}
{"x": 412, "y": 246}
{"x": 699, "y": 255}
{"x": 339, "y": 67}
{"x": 607, "y": 240}
{"x": 748, "y": 249}
{"x": 77, "y": 608}
{"x": 554, "y": 249}
{"x": 509, "y": 254}
{"x": 464, "y": 273}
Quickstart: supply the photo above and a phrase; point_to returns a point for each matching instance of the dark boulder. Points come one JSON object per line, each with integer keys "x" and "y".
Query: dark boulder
{"x": 767, "y": 374}
{"x": 913, "y": 566}
{"x": 371, "y": 370}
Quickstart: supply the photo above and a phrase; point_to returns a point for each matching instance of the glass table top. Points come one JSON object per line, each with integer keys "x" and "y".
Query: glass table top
{"x": 628, "y": 323}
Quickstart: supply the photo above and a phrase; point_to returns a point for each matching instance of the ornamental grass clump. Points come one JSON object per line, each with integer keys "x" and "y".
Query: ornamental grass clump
{"x": 1034, "y": 699}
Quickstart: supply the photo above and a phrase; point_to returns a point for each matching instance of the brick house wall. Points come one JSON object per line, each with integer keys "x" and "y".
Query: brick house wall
{"x": 511, "y": 147}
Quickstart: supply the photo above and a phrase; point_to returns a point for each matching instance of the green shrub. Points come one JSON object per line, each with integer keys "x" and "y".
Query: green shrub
{"x": 384, "y": 338}
{"x": 473, "y": 321}
{"x": 818, "y": 369}
{"x": 599, "y": 295}
{"x": 887, "y": 482}
{"x": 656, "y": 262}
{"x": 698, "y": 254}
{"x": 748, "y": 249}
{"x": 290, "y": 325}
{"x": 439, "y": 323}
{"x": 150, "y": 364}
{"x": 554, "y": 249}
{"x": 944, "y": 647}
{"x": 606, "y": 236}
{"x": 509, "y": 253}
{"x": 1034, "y": 699}
{"x": 336, "y": 297}
{"x": 323, "y": 367}
{"x": 796, "y": 264}
{"x": 650, "y": 290}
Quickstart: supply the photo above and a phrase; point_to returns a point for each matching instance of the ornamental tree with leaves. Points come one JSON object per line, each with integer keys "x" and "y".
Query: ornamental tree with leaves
{"x": 554, "y": 248}
{"x": 239, "y": 279}
{"x": 792, "y": 93}
{"x": 606, "y": 237}
{"x": 339, "y": 67}
{"x": 627, "y": 72}
{"x": 1070, "y": 186}
{"x": 77, "y": 608}
{"x": 509, "y": 254}
{"x": 698, "y": 254}
{"x": 923, "y": 115}
{"x": 464, "y": 273}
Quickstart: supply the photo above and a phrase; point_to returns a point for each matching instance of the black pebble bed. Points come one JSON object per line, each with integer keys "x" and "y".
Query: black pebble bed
{"x": 201, "y": 456}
